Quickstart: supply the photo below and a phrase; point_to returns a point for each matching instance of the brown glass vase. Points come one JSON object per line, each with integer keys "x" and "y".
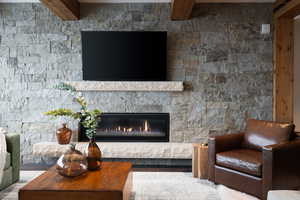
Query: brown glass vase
{"x": 64, "y": 135}
{"x": 94, "y": 155}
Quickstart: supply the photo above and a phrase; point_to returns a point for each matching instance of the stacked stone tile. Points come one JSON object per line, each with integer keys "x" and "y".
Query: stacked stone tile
{"x": 220, "y": 54}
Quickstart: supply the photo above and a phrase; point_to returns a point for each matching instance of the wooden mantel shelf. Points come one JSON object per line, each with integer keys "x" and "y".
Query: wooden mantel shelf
{"x": 134, "y": 86}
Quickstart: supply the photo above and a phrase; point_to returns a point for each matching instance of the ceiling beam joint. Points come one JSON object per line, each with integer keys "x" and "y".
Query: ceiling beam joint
{"x": 181, "y": 9}
{"x": 65, "y": 9}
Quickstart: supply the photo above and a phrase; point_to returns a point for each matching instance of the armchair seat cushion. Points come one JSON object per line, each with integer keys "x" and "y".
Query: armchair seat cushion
{"x": 244, "y": 160}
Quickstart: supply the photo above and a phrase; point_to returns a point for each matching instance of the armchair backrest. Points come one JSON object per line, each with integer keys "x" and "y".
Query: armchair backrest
{"x": 261, "y": 133}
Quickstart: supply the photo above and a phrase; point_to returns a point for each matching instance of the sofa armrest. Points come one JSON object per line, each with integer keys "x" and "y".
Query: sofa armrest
{"x": 218, "y": 144}
{"x": 281, "y": 166}
{"x": 13, "y": 147}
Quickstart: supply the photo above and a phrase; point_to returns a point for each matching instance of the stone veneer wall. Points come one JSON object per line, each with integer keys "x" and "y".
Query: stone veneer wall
{"x": 220, "y": 53}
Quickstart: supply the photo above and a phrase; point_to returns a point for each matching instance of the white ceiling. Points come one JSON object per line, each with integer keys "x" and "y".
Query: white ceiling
{"x": 146, "y": 1}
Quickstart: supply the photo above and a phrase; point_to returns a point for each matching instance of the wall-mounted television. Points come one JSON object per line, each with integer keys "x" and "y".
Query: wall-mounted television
{"x": 124, "y": 55}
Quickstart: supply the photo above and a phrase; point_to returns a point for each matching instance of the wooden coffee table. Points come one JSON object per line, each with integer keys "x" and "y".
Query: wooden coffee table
{"x": 112, "y": 182}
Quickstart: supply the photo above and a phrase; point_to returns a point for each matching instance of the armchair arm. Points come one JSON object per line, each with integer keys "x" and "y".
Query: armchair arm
{"x": 13, "y": 146}
{"x": 281, "y": 166}
{"x": 219, "y": 144}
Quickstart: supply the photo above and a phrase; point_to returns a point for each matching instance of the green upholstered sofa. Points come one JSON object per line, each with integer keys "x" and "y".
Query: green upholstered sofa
{"x": 11, "y": 172}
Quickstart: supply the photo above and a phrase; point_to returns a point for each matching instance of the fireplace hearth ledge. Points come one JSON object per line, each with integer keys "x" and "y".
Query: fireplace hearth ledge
{"x": 157, "y": 150}
{"x": 134, "y": 86}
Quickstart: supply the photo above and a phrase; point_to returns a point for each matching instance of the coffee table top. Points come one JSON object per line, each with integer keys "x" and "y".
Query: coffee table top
{"x": 111, "y": 177}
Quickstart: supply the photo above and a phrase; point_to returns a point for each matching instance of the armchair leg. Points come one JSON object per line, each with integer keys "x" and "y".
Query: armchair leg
{"x": 265, "y": 189}
{"x": 211, "y": 160}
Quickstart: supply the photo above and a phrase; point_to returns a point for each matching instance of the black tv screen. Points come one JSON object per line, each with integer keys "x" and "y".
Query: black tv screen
{"x": 124, "y": 56}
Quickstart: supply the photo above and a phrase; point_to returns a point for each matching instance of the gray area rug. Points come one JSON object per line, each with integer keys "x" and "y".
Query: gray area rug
{"x": 156, "y": 186}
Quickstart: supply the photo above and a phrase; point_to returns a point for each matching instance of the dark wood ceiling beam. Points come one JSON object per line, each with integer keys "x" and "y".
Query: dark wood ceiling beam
{"x": 290, "y": 9}
{"x": 181, "y": 9}
{"x": 278, "y": 4}
{"x": 65, "y": 9}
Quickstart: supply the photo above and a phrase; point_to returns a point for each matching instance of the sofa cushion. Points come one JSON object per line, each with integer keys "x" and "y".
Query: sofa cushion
{"x": 7, "y": 161}
{"x": 244, "y": 160}
{"x": 262, "y": 133}
{"x": 7, "y": 178}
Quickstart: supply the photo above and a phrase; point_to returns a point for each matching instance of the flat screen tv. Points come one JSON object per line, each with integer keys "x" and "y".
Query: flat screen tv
{"x": 124, "y": 56}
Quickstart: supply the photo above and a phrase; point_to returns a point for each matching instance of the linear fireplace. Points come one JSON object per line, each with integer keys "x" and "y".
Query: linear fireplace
{"x": 134, "y": 127}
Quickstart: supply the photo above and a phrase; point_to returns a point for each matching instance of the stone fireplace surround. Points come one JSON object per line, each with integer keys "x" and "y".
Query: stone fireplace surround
{"x": 141, "y": 152}
{"x": 138, "y": 152}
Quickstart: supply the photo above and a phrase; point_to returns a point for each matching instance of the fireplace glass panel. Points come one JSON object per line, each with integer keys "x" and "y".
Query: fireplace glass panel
{"x": 132, "y": 127}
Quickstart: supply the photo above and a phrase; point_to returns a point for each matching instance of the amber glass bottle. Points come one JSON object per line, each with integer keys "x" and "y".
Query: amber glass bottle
{"x": 63, "y": 135}
{"x": 94, "y": 155}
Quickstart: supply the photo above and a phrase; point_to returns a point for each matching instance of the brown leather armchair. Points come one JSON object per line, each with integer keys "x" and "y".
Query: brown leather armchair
{"x": 265, "y": 157}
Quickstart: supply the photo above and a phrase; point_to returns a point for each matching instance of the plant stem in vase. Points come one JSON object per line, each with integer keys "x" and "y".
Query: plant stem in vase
{"x": 88, "y": 119}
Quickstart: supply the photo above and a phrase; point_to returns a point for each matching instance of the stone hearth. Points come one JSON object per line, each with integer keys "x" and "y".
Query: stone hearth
{"x": 122, "y": 150}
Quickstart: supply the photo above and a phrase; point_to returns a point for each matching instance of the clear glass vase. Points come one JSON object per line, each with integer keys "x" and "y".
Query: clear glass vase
{"x": 72, "y": 163}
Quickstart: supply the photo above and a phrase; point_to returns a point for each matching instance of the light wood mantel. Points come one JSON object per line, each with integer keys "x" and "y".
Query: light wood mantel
{"x": 134, "y": 86}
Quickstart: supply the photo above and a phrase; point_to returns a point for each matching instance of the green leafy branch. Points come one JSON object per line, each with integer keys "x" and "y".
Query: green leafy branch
{"x": 82, "y": 103}
{"x": 62, "y": 112}
{"x": 65, "y": 86}
{"x": 87, "y": 118}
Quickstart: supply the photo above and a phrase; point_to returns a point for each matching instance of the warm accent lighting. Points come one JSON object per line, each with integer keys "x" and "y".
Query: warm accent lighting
{"x": 144, "y": 128}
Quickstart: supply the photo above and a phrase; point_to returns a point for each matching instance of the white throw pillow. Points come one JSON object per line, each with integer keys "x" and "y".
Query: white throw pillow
{"x": 3, "y": 130}
{"x": 3, "y": 151}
